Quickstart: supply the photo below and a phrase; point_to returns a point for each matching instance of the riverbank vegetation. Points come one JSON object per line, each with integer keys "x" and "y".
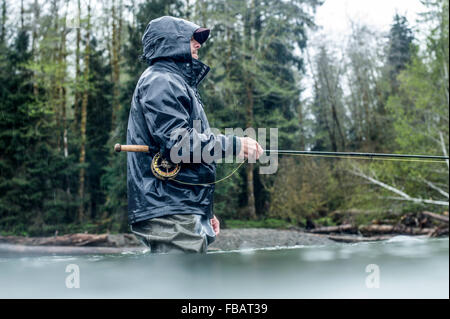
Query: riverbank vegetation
{"x": 66, "y": 82}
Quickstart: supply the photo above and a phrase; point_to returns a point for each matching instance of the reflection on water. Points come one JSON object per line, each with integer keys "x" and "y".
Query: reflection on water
{"x": 408, "y": 268}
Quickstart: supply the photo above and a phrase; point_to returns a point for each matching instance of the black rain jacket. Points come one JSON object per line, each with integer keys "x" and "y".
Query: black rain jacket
{"x": 165, "y": 99}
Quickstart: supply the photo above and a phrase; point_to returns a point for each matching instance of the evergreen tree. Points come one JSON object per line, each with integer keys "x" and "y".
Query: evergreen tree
{"x": 399, "y": 49}
{"x": 327, "y": 109}
{"x": 253, "y": 83}
{"x": 32, "y": 170}
{"x": 98, "y": 128}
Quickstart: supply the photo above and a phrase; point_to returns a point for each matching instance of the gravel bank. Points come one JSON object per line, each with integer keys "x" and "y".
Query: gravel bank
{"x": 245, "y": 238}
{"x": 228, "y": 239}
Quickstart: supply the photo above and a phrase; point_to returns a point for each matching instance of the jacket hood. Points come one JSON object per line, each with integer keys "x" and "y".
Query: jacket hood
{"x": 168, "y": 40}
{"x": 168, "y": 37}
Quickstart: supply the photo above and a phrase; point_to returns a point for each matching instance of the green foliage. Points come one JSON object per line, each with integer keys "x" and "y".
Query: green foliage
{"x": 303, "y": 189}
{"x": 263, "y": 223}
{"x": 399, "y": 49}
{"x": 420, "y": 110}
{"x": 324, "y": 221}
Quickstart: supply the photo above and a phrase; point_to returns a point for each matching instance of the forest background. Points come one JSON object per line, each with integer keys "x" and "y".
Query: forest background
{"x": 68, "y": 70}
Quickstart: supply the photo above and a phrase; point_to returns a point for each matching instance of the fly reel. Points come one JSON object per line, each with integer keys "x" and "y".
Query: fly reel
{"x": 161, "y": 167}
{"x": 164, "y": 169}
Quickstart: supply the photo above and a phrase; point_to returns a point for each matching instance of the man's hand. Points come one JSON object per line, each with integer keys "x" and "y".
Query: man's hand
{"x": 215, "y": 225}
{"x": 250, "y": 148}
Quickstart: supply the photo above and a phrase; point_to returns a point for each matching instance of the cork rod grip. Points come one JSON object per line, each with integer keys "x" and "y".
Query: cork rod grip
{"x": 130, "y": 148}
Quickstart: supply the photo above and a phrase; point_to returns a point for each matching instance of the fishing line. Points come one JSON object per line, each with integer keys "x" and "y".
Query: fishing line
{"x": 369, "y": 158}
{"x": 342, "y": 155}
{"x": 210, "y": 183}
{"x": 359, "y": 155}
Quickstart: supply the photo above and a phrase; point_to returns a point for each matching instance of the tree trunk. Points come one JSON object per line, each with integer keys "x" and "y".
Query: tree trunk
{"x": 3, "y": 25}
{"x": 371, "y": 230}
{"x": 76, "y": 103}
{"x": 251, "y": 209}
{"x": 22, "y": 14}
{"x": 250, "y": 166}
{"x": 345, "y": 228}
{"x": 33, "y": 44}
{"x": 331, "y": 133}
{"x": 333, "y": 102}
{"x": 441, "y": 218}
{"x": 81, "y": 212}
{"x": 62, "y": 93}
{"x": 115, "y": 61}
{"x": 353, "y": 239}
{"x": 55, "y": 80}
{"x": 302, "y": 131}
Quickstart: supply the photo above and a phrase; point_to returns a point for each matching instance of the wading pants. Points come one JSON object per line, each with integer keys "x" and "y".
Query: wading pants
{"x": 189, "y": 233}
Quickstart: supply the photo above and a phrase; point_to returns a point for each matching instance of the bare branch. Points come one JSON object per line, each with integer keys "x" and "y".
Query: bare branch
{"x": 421, "y": 201}
{"x": 433, "y": 186}
{"x": 374, "y": 181}
{"x": 403, "y": 195}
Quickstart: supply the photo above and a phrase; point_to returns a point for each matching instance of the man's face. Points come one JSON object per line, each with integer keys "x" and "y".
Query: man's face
{"x": 194, "y": 48}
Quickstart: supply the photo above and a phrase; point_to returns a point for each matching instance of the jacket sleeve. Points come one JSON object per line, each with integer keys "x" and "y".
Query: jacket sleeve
{"x": 166, "y": 108}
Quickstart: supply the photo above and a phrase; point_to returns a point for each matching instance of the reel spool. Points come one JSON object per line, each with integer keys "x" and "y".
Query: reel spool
{"x": 163, "y": 169}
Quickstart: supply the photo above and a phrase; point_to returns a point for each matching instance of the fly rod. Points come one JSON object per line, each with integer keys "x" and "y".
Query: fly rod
{"x": 357, "y": 154}
{"x": 145, "y": 148}
{"x": 165, "y": 170}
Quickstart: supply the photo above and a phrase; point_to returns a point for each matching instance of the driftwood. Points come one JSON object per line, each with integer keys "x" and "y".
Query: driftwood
{"x": 357, "y": 239}
{"x": 77, "y": 240}
{"x": 424, "y": 223}
{"x": 438, "y": 232}
{"x": 437, "y": 217}
{"x": 368, "y": 230}
{"x": 8, "y": 250}
{"x": 346, "y": 228}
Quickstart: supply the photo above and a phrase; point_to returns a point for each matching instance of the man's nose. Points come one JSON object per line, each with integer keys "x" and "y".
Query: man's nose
{"x": 198, "y": 45}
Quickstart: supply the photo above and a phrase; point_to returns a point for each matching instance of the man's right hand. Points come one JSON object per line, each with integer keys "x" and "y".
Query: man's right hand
{"x": 250, "y": 148}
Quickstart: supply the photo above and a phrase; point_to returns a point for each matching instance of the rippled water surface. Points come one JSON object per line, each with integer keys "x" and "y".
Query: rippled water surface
{"x": 402, "y": 267}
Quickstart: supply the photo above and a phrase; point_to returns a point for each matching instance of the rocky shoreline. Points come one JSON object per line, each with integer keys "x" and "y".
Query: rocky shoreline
{"x": 345, "y": 230}
{"x": 250, "y": 238}
{"x": 228, "y": 239}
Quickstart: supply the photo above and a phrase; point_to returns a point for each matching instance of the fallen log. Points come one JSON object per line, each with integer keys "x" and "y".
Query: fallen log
{"x": 369, "y": 230}
{"x": 346, "y": 228}
{"x": 74, "y": 240}
{"x": 357, "y": 239}
{"x": 104, "y": 240}
{"x": 437, "y": 217}
{"x": 8, "y": 250}
{"x": 65, "y": 240}
{"x": 440, "y": 232}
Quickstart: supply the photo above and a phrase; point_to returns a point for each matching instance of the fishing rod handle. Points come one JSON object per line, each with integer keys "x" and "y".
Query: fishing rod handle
{"x": 130, "y": 148}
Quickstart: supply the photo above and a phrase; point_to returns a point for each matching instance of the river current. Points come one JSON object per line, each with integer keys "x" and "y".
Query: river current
{"x": 402, "y": 267}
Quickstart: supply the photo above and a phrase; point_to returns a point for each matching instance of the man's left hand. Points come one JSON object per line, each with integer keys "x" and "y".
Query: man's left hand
{"x": 215, "y": 225}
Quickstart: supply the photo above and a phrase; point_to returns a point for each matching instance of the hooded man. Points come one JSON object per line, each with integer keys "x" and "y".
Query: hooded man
{"x": 166, "y": 215}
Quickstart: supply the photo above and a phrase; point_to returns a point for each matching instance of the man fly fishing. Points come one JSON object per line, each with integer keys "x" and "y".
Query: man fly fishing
{"x": 165, "y": 215}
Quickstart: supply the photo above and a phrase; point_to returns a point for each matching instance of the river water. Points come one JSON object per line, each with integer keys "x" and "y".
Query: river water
{"x": 403, "y": 267}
